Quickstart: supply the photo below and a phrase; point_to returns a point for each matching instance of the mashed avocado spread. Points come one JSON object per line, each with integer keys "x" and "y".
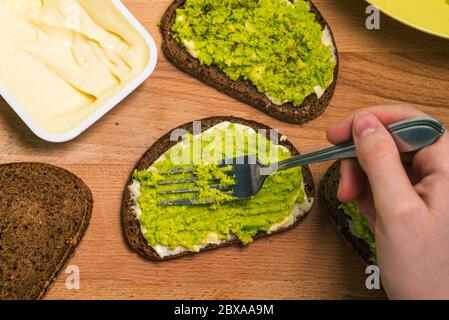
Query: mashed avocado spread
{"x": 191, "y": 227}
{"x": 276, "y": 44}
{"x": 360, "y": 227}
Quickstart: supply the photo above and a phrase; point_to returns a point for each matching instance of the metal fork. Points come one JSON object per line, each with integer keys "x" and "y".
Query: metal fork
{"x": 250, "y": 174}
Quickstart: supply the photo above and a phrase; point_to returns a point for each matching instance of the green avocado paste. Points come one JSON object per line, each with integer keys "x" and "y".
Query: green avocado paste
{"x": 360, "y": 227}
{"x": 193, "y": 226}
{"x": 275, "y": 44}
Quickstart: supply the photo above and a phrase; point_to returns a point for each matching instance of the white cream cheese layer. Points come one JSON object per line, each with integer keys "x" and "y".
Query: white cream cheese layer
{"x": 328, "y": 41}
{"x": 299, "y": 210}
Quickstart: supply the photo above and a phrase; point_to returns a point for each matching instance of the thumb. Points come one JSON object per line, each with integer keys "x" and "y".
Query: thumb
{"x": 379, "y": 158}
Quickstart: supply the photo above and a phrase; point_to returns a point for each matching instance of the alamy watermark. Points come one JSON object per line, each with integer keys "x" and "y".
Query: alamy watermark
{"x": 373, "y": 280}
{"x": 72, "y": 281}
{"x": 373, "y": 20}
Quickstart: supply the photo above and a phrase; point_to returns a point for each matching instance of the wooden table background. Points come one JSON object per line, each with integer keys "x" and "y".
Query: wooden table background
{"x": 393, "y": 65}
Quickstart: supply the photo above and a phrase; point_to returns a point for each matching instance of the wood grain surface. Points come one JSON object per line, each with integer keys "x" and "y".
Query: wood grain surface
{"x": 395, "y": 64}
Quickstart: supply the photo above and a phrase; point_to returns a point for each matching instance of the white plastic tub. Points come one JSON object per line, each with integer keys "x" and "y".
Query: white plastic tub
{"x": 110, "y": 104}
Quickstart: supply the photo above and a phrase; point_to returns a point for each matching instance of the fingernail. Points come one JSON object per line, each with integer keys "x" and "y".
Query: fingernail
{"x": 365, "y": 124}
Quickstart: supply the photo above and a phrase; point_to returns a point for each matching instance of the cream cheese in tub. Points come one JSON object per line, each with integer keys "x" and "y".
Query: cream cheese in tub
{"x": 65, "y": 63}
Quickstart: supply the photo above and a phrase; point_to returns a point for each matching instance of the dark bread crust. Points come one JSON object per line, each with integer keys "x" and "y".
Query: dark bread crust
{"x": 327, "y": 196}
{"x": 44, "y": 212}
{"x": 131, "y": 226}
{"x": 244, "y": 91}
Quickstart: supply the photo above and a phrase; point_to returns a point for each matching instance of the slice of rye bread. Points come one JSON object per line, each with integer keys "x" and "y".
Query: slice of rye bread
{"x": 327, "y": 196}
{"x": 131, "y": 225}
{"x": 44, "y": 212}
{"x": 243, "y": 90}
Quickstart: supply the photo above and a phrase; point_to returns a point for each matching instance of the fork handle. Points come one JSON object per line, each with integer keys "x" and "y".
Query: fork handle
{"x": 410, "y": 135}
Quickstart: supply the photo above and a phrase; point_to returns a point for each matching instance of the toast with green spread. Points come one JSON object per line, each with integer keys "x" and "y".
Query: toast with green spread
{"x": 277, "y": 56}
{"x": 44, "y": 212}
{"x": 348, "y": 219}
{"x": 160, "y": 232}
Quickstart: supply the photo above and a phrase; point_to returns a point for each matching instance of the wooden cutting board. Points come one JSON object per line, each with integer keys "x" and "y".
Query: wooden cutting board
{"x": 392, "y": 65}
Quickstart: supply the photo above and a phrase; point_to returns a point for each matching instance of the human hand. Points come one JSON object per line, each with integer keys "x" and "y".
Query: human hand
{"x": 406, "y": 204}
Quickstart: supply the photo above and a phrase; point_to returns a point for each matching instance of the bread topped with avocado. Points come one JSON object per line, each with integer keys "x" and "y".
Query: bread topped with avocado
{"x": 159, "y": 232}
{"x": 348, "y": 219}
{"x": 278, "y": 56}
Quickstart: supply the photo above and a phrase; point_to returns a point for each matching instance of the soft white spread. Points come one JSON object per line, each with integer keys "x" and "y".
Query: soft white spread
{"x": 352, "y": 228}
{"x": 326, "y": 38}
{"x": 63, "y": 60}
{"x": 190, "y": 46}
